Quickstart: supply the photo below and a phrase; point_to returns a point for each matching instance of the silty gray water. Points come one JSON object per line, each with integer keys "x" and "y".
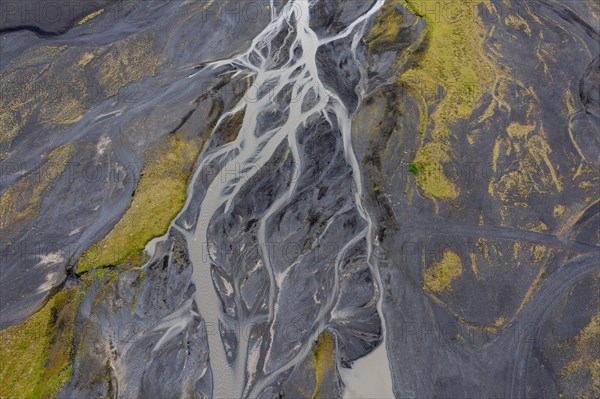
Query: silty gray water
{"x": 282, "y": 60}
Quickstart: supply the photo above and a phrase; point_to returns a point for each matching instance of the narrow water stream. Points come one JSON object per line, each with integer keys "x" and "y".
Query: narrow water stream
{"x": 254, "y": 147}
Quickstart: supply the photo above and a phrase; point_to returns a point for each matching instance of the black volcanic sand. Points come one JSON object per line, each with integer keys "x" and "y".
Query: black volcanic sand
{"x": 521, "y": 318}
{"x": 111, "y": 87}
{"x": 127, "y": 90}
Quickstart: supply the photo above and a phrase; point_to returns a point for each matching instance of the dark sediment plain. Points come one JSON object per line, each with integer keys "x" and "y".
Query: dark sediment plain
{"x": 358, "y": 198}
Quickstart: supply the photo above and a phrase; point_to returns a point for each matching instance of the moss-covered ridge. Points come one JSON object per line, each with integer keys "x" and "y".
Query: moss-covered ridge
{"x": 161, "y": 190}
{"x": 22, "y": 200}
{"x": 324, "y": 356}
{"x": 439, "y": 276}
{"x": 158, "y": 198}
{"x": 36, "y": 355}
{"x": 450, "y": 76}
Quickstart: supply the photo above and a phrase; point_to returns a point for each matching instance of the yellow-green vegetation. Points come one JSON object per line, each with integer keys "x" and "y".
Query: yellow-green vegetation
{"x": 390, "y": 30}
{"x": 35, "y": 356}
{"x": 125, "y": 61}
{"x": 386, "y": 29}
{"x": 51, "y": 84}
{"x": 41, "y": 83}
{"x": 233, "y": 124}
{"x": 454, "y": 61}
{"x": 586, "y": 359}
{"x": 537, "y": 253}
{"x": 324, "y": 353}
{"x": 440, "y": 275}
{"x": 559, "y": 210}
{"x": 535, "y": 172}
{"x": 158, "y": 198}
{"x": 86, "y": 280}
{"x": 20, "y": 86}
{"x": 109, "y": 288}
{"x": 415, "y": 168}
{"x": 90, "y": 16}
{"x": 474, "y": 268}
{"x": 519, "y": 23}
{"x": 430, "y": 174}
{"x": 22, "y": 200}
{"x": 136, "y": 291}
{"x": 229, "y": 128}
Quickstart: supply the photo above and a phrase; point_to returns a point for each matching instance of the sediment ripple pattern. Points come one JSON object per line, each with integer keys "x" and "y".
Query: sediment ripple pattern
{"x": 279, "y": 228}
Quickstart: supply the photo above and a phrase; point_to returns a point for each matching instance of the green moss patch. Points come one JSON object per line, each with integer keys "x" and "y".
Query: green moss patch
{"x": 440, "y": 275}
{"x": 429, "y": 172}
{"x": 22, "y": 200}
{"x": 452, "y": 74}
{"x": 415, "y": 168}
{"x": 387, "y": 27}
{"x": 160, "y": 195}
{"x": 324, "y": 357}
{"x": 35, "y": 356}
